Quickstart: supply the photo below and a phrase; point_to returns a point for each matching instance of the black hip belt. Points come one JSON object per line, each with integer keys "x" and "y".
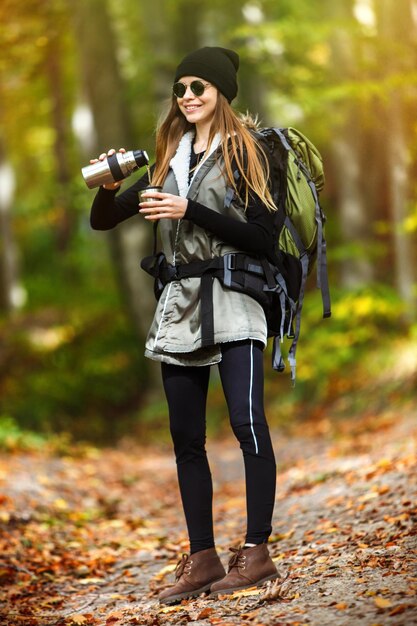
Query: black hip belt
{"x": 237, "y": 271}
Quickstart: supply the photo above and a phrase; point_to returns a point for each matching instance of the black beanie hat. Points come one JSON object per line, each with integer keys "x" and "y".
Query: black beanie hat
{"x": 217, "y": 65}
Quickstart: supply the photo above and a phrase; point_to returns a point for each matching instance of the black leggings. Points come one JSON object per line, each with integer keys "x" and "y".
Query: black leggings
{"x": 241, "y": 373}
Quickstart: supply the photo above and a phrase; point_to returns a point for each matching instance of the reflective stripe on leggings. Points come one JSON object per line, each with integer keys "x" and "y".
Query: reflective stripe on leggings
{"x": 250, "y": 397}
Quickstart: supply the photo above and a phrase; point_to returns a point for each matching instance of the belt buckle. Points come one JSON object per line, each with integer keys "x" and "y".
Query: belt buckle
{"x": 231, "y": 261}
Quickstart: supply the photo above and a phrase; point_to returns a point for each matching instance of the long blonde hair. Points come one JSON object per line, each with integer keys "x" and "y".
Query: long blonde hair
{"x": 236, "y": 139}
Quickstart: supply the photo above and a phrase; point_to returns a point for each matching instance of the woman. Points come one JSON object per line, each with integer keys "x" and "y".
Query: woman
{"x": 206, "y": 211}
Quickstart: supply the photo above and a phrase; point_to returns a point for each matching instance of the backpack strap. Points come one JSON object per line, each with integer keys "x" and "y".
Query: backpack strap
{"x": 207, "y": 314}
{"x": 230, "y": 192}
{"x": 278, "y": 363}
{"x": 322, "y": 275}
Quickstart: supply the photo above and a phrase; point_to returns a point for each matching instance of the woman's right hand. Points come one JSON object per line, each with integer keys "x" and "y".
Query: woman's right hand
{"x": 103, "y": 156}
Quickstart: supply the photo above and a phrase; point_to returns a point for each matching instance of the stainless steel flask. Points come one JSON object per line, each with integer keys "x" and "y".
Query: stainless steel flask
{"x": 114, "y": 168}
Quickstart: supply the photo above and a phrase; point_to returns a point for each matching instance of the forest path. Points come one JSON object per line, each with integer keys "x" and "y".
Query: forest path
{"x": 91, "y": 538}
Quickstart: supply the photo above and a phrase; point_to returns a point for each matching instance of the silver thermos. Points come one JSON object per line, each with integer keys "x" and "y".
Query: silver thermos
{"x": 114, "y": 168}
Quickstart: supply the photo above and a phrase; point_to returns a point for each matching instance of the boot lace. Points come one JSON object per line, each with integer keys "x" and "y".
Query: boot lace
{"x": 238, "y": 559}
{"x": 183, "y": 566}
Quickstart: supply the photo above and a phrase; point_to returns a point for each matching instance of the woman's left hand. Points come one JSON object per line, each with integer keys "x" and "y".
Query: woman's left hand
{"x": 163, "y": 205}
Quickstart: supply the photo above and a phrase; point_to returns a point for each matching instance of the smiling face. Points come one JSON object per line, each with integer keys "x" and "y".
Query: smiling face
{"x": 198, "y": 109}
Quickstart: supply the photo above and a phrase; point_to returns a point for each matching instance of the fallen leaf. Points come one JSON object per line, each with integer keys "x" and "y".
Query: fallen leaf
{"x": 251, "y": 615}
{"x": 78, "y": 619}
{"x": 382, "y": 603}
{"x": 171, "y": 609}
{"x": 322, "y": 559}
{"x": 90, "y": 581}
{"x": 252, "y": 591}
{"x": 400, "y": 608}
{"x": 115, "y": 616}
{"x": 383, "y": 489}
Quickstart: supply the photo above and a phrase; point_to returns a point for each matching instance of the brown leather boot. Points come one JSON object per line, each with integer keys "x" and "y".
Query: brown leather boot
{"x": 247, "y": 568}
{"x": 194, "y": 574}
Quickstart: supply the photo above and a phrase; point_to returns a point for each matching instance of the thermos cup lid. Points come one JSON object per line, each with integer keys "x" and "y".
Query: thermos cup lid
{"x": 141, "y": 157}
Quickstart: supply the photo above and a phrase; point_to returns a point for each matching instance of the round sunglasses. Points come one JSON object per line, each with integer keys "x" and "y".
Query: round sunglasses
{"x": 196, "y": 86}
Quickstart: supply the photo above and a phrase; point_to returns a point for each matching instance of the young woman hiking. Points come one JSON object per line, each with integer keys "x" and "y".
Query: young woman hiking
{"x": 204, "y": 213}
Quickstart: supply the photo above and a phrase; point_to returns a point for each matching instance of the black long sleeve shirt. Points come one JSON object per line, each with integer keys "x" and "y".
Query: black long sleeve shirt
{"x": 256, "y": 236}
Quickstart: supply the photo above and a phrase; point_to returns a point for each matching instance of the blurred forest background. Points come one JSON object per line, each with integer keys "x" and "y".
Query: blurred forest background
{"x": 78, "y": 77}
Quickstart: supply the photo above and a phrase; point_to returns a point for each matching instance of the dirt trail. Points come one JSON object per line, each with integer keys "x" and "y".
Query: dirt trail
{"x": 92, "y": 539}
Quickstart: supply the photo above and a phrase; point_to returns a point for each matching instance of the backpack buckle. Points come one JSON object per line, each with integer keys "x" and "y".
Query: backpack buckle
{"x": 170, "y": 273}
{"x": 229, "y": 264}
{"x": 231, "y": 261}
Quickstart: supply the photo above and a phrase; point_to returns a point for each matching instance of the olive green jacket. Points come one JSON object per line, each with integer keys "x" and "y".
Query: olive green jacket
{"x": 175, "y": 333}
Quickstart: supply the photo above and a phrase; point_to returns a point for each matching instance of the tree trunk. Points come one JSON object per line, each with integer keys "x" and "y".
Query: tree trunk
{"x": 66, "y": 222}
{"x": 355, "y": 216}
{"x": 398, "y": 157}
{"x": 104, "y": 91}
{"x": 11, "y": 293}
{"x": 394, "y": 20}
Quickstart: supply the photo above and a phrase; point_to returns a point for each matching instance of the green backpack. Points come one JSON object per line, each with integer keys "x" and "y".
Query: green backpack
{"x": 297, "y": 177}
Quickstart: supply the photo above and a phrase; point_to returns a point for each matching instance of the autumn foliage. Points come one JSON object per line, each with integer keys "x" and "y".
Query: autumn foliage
{"x": 91, "y": 537}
